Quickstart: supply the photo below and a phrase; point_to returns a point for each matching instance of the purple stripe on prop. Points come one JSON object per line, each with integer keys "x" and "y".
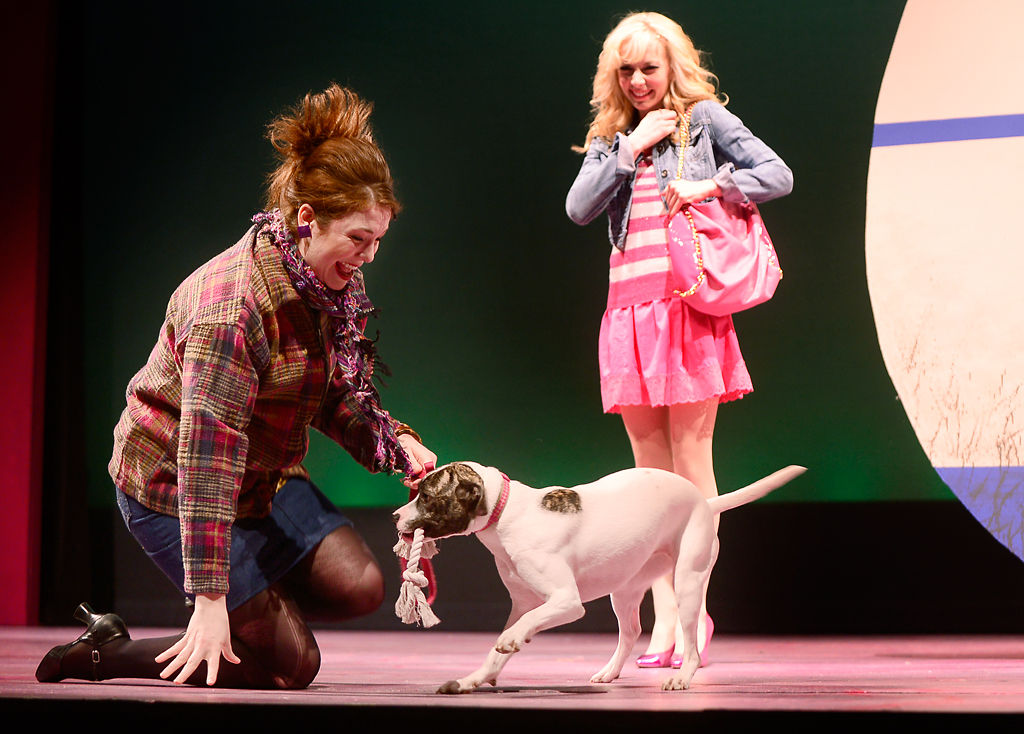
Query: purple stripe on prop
{"x": 942, "y": 131}
{"x": 995, "y": 496}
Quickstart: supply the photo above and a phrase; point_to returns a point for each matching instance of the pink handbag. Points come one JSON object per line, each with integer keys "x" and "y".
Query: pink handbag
{"x": 723, "y": 260}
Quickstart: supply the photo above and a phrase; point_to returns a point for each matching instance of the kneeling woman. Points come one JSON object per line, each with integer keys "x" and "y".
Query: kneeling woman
{"x": 259, "y": 344}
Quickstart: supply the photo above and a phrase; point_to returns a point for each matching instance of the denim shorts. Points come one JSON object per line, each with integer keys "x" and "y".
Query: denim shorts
{"x": 263, "y": 549}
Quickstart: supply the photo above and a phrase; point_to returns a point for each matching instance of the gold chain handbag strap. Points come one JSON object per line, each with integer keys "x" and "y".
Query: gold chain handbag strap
{"x": 684, "y": 138}
{"x": 684, "y": 141}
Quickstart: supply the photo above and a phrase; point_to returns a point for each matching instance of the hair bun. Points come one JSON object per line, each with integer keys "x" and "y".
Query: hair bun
{"x": 336, "y": 112}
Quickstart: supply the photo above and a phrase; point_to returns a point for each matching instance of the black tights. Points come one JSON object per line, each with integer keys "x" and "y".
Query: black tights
{"x": 338, "y": 580}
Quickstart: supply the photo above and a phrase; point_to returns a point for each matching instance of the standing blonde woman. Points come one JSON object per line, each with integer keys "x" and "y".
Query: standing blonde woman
{"x": 259, "y": 345}
{"x": 664, "y": 366}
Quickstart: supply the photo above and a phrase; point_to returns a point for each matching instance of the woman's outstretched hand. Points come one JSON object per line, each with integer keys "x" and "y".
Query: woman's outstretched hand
{"x": 208, "y": 637}
{"x": 423, "y": 460}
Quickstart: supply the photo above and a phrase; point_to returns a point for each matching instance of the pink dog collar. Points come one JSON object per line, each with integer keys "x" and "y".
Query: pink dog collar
{"x": 500, "y": 504}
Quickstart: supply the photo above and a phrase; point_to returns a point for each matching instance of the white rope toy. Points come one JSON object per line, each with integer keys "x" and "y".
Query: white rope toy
{"x": 412, "y": 606}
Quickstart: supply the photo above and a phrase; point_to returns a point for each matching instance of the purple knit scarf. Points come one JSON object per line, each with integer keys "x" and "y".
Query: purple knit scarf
{"x": 354, "y": 354}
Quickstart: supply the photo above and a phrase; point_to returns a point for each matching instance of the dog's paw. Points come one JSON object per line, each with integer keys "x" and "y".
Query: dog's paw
{"x": 604, "y": 676}
{"x": 676, "y": 683}
{"x": 454, "y": 687}
{"x": 508, "y": 644}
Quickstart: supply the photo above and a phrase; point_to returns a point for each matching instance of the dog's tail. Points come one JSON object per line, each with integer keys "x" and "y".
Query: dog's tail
{"x": 755, "y": 491}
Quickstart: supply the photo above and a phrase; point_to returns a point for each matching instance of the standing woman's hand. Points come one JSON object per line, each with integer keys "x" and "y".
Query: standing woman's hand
{"x": 681, "y": 192}
{"x": 207, "y": 638}
{"x": 656, "y": 125}
{"x": 423, "y": 460}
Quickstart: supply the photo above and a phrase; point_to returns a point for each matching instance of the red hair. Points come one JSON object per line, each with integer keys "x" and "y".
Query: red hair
{"x": 329, "y": 159}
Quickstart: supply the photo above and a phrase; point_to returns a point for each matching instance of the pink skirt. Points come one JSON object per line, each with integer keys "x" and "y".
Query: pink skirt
{"x": 662, "y": 352}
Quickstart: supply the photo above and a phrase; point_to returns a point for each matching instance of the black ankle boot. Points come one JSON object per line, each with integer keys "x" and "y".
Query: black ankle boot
{"x": 81, "y": 658}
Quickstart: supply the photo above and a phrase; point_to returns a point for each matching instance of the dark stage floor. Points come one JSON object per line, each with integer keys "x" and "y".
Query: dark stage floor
{"x": 390, "y": 677}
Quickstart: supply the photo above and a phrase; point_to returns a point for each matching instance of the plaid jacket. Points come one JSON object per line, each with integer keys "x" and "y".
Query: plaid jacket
{"x": 221, "y": 411}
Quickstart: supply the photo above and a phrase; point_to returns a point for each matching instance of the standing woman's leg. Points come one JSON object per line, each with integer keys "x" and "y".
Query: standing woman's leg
{"x": 650, "y": 439}
{"x": 679, "y": 439}
{"x": 692, "y": 430}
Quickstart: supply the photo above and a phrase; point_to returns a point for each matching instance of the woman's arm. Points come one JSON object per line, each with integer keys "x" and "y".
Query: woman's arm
{"x": 219, "y": 384}
{"x": 749, "y": 168}
{"x": 345, "y": 419}
{"x": 605, "y": 167}
{"x": 218, "y": 392}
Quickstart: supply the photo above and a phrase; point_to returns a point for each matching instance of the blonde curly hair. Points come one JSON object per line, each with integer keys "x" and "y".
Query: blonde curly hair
{"x": 630, "y": 41}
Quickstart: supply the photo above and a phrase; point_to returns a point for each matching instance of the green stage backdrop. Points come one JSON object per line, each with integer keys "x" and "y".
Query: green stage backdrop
{"x": 490, "y": 298}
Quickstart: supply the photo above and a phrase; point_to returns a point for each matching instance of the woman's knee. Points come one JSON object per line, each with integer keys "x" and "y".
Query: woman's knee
{"x": 304, "y": 668}
{"x": 359, "y": 591}
{"x": 273, "y": 637}
{"x": 341, "y": 579}
{"x": 369, "y": 594}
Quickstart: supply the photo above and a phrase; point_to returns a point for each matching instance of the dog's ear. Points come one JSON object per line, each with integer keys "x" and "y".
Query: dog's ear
{"x": 470, "y": 490}
{"x": 432, "y": 483}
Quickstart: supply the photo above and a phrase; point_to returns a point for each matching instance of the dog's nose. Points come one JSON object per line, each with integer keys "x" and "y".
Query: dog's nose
{"x": 395, "y": 517}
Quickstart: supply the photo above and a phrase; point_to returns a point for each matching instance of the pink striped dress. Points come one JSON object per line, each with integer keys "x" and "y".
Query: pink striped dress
{"x": 653, "y": 348}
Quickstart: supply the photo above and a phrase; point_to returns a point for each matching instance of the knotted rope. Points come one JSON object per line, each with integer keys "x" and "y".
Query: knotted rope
{"x": 412, "y": 606}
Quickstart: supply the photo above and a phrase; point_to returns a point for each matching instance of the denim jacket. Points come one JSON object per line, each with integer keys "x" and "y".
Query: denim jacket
{"x": 720, "y": 148}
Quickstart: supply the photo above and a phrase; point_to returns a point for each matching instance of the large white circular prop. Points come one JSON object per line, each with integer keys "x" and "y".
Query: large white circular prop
{"x": 945, "y": 246}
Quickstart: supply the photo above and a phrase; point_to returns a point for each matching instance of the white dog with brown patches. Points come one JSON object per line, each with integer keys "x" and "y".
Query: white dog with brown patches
{"x": 557, "y": 548}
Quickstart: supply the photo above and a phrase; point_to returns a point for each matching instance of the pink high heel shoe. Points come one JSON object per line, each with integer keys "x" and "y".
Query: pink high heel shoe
{"x": 655, "y": 659}
{"x": 702, "y": 650}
